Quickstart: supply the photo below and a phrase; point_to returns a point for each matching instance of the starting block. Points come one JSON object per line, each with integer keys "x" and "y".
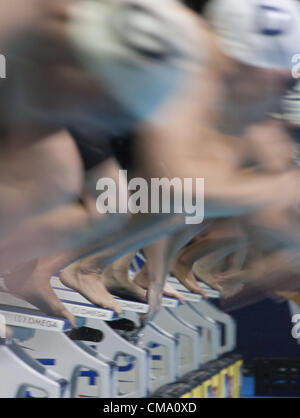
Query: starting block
{"x": 207, "y": 309}
{"x": 132, "y": 361}
{"x": 24, "y": 376}
{"x": 90, "y": 374}
{"x": 164, "y": 353}
{"x": 188, "y": 336}
{"x": 210, "y": 331}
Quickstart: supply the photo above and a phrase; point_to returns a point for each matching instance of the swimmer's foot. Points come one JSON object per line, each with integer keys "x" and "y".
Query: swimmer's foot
{"x": 206, "y": 269}
{"x": 269, "y": 267}
{"x": 117, "y": 281}
{"x": 208, "y": 255}
{"x": 32, "y": 283}
{"x": 90, "y": 285}
{"x": 142, "y": 280}
{"x": 173, "y": 293}
{"x": 186, "y": 277}
{"x": 208, "y": 279}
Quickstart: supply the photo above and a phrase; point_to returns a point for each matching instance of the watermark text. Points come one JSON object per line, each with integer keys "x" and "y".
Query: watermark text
{"x": 156, "y": 196}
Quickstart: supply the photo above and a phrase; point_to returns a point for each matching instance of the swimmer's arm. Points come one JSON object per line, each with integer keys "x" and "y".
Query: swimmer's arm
{"x": 188, "y": 153}
{"x": 243, "y": 192}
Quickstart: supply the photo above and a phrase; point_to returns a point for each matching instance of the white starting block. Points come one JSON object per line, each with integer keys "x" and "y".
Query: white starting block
{"x": 207, "y": 309}
{"x": 78, "y": 309}
{"x": 210, "y": 319}
{"x": 122, "y": 364}
{"x": 133, "y": 362}
{"x": 210, "y": 331}
{"x": 90, "y": 374}
{"x": 24, "y": 376}
{"x": 87, "y": 381}
{"x": 164, "y": 352}
{"x": 69, "y": 296}
{"x": 189, "y": 339}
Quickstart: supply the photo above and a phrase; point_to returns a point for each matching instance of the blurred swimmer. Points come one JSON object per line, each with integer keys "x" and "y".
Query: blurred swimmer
{"x": 112, "y": 84}
{"x": 188, "y": 137}
{"x": 250, "y": 74}
{"x": 240, "y": 94}
{"x": 177, "y": 142}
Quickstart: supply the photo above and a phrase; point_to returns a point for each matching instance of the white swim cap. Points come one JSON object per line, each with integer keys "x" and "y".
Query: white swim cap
{"x": 260, "y": 33}
{"x": 138, "y": 49}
